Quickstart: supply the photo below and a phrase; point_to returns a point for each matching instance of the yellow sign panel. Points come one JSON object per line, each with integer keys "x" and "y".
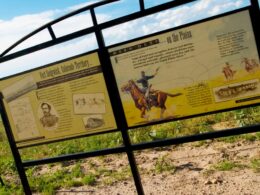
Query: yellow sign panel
{"x": 63, "y": 100}
{"x": 197, "y": 69}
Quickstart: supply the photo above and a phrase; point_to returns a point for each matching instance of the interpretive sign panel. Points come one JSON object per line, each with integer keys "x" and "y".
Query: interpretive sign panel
{"x": 197, "y": 69}
{"x": 62, "y": 100}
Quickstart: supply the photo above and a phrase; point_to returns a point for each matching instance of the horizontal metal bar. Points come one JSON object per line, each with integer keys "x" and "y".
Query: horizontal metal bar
{"x": 148, "y": 145}
{"x": 47, "y": 44}
{"x": 92, "y": 29}
{"x": 76, "y": 156}
{"x": 56, "y": 21}
{"x": 88, "y": 7}
{"x": 146, "y": 12}
{"x": 197, "y": 137}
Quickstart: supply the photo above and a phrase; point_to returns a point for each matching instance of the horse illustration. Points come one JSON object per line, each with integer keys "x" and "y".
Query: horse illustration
{"x": 157, "y": 98}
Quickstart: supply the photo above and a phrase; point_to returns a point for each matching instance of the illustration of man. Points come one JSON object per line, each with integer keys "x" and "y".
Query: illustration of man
{"x": 48, "y": 120}
{"x": 145, "y": 85}
{"x": 248, "y": 66}
{"x": 228, "y": 72}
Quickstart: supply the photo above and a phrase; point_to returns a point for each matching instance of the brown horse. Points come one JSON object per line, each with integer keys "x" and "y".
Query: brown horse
{"x": 158, "y": 97}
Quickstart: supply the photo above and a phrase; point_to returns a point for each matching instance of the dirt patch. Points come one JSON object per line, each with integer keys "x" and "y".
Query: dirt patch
{"x": 188, "y": 169}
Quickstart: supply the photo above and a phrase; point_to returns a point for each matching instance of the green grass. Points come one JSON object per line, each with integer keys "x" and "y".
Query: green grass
{"x": 74, "y": 176}
{"x": 11, "y": 189}
{"x": 199, "y": 143}
{"x": 230, "y": 139}
{"x": 257, "y": 134}
{"x": 91, "y": 143}
{"x": 227, "y": 165}
{"x": 255, "y": 165}
{"x": 111, "y": 177}
{"x": 250, "y": 137}
{"x": 197, "y": 125}
{"x": 76, "y": 171}
{"x": 163, "y": 164}
{"x": 74, "y": 183}
{"x": 246, "y": 137}
{"x": 89, "y": 179}
{"x": 49, "y": 182}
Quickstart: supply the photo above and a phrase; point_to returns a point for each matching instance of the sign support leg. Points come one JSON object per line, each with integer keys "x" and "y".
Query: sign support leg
{"x": 14, "y": 149}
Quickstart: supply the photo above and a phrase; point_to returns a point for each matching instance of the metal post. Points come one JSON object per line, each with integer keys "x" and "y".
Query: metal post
{"x": 255, "y": 17}
{"x": 51, "y": 33}
{"x": 15, "y": 152}
{"x": 1, "y": 181}
{"x": 142, "y": 6}
{"x": 119, "y": 114}
{"x": 255, "y": 5}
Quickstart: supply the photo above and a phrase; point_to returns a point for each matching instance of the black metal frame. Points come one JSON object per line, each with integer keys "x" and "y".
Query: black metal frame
{"x": 110, "y": 80}
{"x": 1, "y": 181}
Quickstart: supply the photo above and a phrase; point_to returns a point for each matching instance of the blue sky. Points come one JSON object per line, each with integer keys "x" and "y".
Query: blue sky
{"x": 20, "y": 17}
{"x": 12, "y": 8}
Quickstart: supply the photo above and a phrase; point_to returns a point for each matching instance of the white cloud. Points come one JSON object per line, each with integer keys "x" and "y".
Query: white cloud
{"x": 202, "y": 5}
{"x": 225, "y": 6}
{"x": 46, "y": 56}
{"x": 73, "y": 24}
{"x": 12, "y": 30}
{"x": 18, "y": 27}
{"x": 40, "y": 37}
{"x": 170, "y": 18}
{"x": 103, "y": 18}
{"x": 22, "y": 23}
{"x": 75, "y": 7}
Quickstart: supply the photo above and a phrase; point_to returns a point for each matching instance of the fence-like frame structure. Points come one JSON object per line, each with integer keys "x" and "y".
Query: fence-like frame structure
{"x": 110, "y": 80}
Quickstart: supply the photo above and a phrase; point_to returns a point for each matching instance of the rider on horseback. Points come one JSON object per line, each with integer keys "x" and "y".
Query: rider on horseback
{"x": 146, "y": 87}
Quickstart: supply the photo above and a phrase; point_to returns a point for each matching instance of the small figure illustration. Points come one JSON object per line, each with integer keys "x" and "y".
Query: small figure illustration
{"x": 228, "y": 72}
{"x": 80, "y": 102}
{"x": 48, "y": 120}
{"x": 248, "y": 66}
{"x": 95, "y": 101}
{"x": 89, "y": 103}
{"x": 254, "y": 63}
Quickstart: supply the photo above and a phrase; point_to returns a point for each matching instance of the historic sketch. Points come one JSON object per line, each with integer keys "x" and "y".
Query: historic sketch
{"x": 48, "y": 116}
{"x": 89, "y": 103}
{"x": 93, "y": 121}
{"x": 19, "y": 88}
{"x": 242, "y": 89}
{"x": 23, "y": 118}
